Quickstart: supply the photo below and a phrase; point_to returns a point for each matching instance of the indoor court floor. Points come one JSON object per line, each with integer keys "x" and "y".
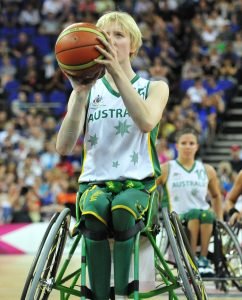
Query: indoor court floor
{"x": 14, "y": 269}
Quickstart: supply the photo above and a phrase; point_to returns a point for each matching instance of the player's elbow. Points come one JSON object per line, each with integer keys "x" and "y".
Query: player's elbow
{"x": 62, "y": 150}
{"x": 146, "y": 127}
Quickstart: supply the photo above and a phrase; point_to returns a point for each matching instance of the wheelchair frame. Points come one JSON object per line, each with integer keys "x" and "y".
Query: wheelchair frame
{"x": 225, "y": 253}
{"x": 227, "y": 257}
{"x": 45, "y": 274}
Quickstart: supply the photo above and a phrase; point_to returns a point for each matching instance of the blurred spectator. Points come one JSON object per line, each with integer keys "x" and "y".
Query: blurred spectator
{"x": 164, "y": 152}
{"x": 7, "y": 67}
{"x": 35, "y": 139}
{"x": 159, "y": 71}
{"x": 29, "y": 169}
{"x": 55, "y": 7}
{"x": 49, "y": 157}
{"x": 237, "y": 44}
{"x": 50, "y": 26}
{"x": 19, "y": 105}
{"x": 197, "y": 93}
{"x": 235, "y": 160}
{"x": 29, "y": 15}
{"x": 23, "y": 46}
{"x": 192, "y": 69}
{"x": 226, "y": 176}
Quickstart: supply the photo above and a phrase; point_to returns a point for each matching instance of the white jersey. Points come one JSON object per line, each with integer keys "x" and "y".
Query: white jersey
{"x": 114, "y": 147}
{"x": 186, "y": 189}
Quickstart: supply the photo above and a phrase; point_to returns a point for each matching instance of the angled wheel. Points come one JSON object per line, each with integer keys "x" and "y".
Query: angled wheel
{"x": 44, "y": 268}
{"x": 232, "y": 253}
{"x": 188, "y": 274}
{"x": 188, "y": 259}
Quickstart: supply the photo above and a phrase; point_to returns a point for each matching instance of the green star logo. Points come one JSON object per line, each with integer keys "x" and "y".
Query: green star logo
{"x": 115, "y": 164}
{"x": 176, "y": 198}
{"x": 134, "y": 158}
{"x": 194, "y": 192}
{"x": 122, "y": 128}
{"x": 93, "y": 140}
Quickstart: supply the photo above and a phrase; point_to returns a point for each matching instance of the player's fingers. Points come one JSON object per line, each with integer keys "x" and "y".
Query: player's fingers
{"x": 107, "y": 44}
{"x": 104, "y": 51}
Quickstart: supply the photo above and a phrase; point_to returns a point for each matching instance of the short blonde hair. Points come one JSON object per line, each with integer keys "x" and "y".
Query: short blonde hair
{"x": 127, "y": 24}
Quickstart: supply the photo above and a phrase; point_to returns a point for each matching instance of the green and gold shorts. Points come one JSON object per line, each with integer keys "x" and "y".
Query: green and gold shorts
{"x": 100, "y": 200}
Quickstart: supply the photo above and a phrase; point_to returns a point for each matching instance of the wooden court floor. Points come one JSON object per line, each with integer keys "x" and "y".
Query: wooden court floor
{"x": 14, "y": 269}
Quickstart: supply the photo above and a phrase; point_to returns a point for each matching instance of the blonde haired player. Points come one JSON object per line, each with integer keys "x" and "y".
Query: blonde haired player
{"x": 119, "y": 116}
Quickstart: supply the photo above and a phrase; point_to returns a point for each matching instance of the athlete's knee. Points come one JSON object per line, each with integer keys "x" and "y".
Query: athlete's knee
{"x": 193, "y": 214}
{"x": 207, "y": 217}
{"x": 93, "y": 229}
{"x": 125, "y": 226}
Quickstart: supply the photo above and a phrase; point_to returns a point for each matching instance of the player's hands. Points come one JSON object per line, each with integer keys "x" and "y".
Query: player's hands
{"x": 110, "y": 60}
{"x": 235, "y": 218}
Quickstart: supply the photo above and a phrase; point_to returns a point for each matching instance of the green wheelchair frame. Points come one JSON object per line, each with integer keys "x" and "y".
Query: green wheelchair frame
{"x": 46, "y": 275}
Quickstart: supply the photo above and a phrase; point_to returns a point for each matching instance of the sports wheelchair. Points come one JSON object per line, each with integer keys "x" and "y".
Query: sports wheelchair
{"x": 50, "y": 268}
{"x": 224, "y": 252}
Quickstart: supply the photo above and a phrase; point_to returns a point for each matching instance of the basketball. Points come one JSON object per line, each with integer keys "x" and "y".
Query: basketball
{"x": 75, "y": 51}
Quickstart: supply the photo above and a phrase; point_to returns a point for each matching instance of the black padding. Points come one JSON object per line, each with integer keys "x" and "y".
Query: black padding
{"x": 127, "y": 234}
{"x": 112, "y": 293}
{"x": 93, "y": 235}
{"x": 133, "y": 286}
{"x": 86, "y": 292}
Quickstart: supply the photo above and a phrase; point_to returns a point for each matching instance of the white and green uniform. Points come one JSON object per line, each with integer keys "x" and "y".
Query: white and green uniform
{"x": 186, "y": 189}
{"x": 117, "y": 154}
{"x": 114, "y": 147}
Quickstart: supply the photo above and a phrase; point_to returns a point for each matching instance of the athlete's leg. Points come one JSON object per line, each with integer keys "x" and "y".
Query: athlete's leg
{"x": 207, "y": 219}
{"x": 95, "y": 208}
{"x": 127, "y": 208}
{"x": 193, "y": 225}
{"x": 98, "y": 261}
{"x": 122, "y": 220}
{"x": 194, "y": 228}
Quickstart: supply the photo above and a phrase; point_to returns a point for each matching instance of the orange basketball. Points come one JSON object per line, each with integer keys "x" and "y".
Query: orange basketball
{"x": 75, "y": 51}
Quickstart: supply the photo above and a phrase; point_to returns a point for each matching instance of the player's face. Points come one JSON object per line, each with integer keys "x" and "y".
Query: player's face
{"x": 187, "y": 146}
{"x": 120, "y": 40}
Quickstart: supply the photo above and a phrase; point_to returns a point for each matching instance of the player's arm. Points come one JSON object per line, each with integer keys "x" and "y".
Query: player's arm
{"x": 231, "y": 199}
{"x": 214, "y": 189}
{"x": 146, "y": 114}
{"x": 161, "y": 180}
{"x": 235, "y": 192}
{"x": 73, "y": 122}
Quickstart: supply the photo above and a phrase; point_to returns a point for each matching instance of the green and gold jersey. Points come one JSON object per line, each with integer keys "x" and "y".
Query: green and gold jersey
{"x": 186, "y": 189}
{"x": 114, "y": 147}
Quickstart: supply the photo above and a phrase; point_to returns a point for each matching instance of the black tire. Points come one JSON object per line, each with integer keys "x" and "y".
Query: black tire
{"x": 35, "y": 261}
{"x": 188, "y": 258}
{"x": 44, "y": 268}
{"x": 232, "y": 253}
{"x": 182, "y": 273}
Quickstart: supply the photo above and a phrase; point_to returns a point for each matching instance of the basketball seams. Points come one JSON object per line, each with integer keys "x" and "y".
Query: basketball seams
{"x": 79, "y": 67}
{"x": 76, "y": 29}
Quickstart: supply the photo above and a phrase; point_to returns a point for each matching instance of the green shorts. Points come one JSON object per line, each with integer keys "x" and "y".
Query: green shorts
{"x": 100, "y": 200}
{"x": 204, "y": 216}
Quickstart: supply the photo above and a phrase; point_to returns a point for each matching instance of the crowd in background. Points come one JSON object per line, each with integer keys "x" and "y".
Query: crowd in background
{"x": 196, "y": 46}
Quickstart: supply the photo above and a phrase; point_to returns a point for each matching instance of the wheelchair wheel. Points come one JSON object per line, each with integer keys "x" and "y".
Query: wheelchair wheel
{"x": 44, "y": 268}
{"x": 162, "y": 238}
{"x": 188, "y": 274}
{"x": 232, "y": 253}
{"x": 188, "y": 258}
